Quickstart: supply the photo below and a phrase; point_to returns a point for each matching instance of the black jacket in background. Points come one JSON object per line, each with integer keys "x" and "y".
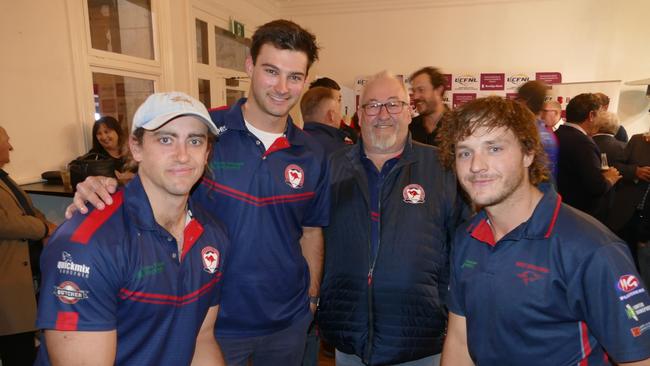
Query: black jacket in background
{"x": 332, "y": 139}
{"x": 579, "y": 180}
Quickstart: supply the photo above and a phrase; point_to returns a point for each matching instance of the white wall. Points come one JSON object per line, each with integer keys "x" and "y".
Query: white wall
{"x": 46, "y": 100}
{"x": 585, "y": 40}
{"x": 37, "y": 103}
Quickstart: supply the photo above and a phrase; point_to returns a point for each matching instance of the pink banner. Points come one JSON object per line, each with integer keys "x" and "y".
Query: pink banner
{"x": 462, "y": 98}
{"x": 549, "y": 77}
{"x": 495, "y": 81}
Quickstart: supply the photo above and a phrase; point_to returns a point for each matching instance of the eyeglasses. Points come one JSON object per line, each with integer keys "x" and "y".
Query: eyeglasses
{"x": 374, "y": 108}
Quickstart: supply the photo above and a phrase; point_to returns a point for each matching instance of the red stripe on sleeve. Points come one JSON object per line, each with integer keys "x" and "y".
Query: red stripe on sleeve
{"x": 95, "y": 220}
{"x": 66, "y": 320}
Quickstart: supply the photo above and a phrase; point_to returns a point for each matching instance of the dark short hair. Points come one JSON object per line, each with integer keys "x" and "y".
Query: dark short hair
{"x": 285, "y": 35}
{"x": 436, "y": 78}
{"x": 312, "y": 100}
{"x": 494, "y": 112}
{"x": 112, "y": 124}
{"x": 578, "y": 109}
{"x": 533, "y": 94}
{"x": 325, "y": 82}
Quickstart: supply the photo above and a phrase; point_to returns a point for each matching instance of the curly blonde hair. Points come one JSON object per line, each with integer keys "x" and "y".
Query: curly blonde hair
{"x": 494, "y": 112}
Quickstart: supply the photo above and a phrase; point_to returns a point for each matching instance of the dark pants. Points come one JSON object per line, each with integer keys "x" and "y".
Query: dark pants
{"x": 285, "y": 347}
{"x": 312, "y": 346}
{"x": 18, "y": 349}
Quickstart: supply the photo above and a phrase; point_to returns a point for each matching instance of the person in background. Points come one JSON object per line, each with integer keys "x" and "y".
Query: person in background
{"x": 428, "y": 86}
{"x": 534, "y": 282}
{"x": 140, "y": 282}
{"x": 321, "y": 112}
{"x": 326, "y": 82}
{"x": 533, "y": 94}
{"x": 603, "y": 100}
{"x": 630, "y": 214}
{"x": 109, "y": 141}
{"x": 580, "y": 180}
{"x": 22, "y": 229}
{"x": 606, "y": 125}
{"x": 551, "y": 114}
{"x": 393, "y": 213}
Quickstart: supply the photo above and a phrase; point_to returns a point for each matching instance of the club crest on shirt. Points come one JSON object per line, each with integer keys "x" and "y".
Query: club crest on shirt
{"x": 413, "y": 193}
{"x": 294, "y": 176}
{"x": 210, "y": 257}
{"x": 69, "y": 293}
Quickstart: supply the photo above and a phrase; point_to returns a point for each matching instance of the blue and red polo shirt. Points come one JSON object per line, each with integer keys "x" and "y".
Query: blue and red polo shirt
{"x": 264, "y": 197}
{"x": 117, "y": 269}
{"x": 560, "y": 289}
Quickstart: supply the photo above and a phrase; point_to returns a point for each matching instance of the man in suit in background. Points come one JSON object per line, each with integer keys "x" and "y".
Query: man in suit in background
{"x": 22, "y": 229}
{"x": 632, "y": 199}
{"x": 580, "y": 180}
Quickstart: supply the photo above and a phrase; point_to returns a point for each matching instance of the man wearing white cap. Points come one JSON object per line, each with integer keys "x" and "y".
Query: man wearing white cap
{"x": 139, "y": 283}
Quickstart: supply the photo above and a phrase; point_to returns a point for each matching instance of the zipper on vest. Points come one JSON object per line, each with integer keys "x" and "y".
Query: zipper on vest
{"x": 371, "y": 270}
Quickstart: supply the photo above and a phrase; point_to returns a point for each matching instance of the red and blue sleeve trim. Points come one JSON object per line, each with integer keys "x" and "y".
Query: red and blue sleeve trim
{"x": 96, "y": 219}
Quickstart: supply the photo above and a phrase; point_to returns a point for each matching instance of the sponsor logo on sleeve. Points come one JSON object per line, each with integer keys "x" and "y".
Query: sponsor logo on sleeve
{"x": 413, "y": 193}
{"x": 638, "y": 331}
{"x": 628, "y": 286}
{"x": 294, "y": 176}
{"x": 210, "y": 257}
{"x": 634, "y": 311}
{"x": 69, "y": 293}
{"x": 67, "y": 266}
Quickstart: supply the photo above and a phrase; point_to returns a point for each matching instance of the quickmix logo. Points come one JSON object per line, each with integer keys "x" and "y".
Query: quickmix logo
{"x": 67, "y": 266}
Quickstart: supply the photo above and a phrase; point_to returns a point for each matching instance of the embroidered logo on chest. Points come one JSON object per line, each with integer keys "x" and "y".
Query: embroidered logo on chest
{"x": 210, "y": 257}
{"x": 413, "y": 193}
{"x": 294, "y": 176}
{"x": 531, "y": 273}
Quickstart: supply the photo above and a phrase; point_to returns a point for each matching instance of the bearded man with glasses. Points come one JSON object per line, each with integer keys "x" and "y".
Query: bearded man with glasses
{"x": 394, "y": 210}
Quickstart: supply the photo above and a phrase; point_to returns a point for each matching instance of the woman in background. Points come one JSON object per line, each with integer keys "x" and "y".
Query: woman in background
{"x": 109, "y": 141}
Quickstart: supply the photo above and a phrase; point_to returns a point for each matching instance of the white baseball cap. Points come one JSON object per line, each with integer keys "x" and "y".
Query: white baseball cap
{"x": 160, "y": 108}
